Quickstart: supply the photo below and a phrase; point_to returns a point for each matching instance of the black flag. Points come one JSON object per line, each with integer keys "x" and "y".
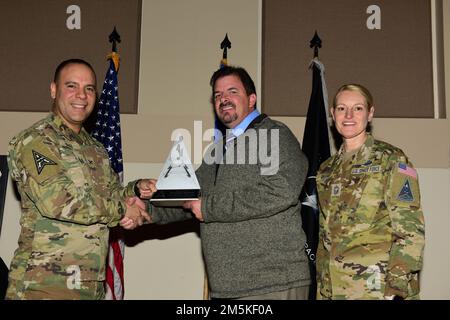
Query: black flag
{"x": 316, "y": 147}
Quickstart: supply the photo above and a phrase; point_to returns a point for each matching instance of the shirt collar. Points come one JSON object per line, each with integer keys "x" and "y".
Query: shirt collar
{"x": 364, "y": 151}
{"x": 83, "y": 135}
{"x": 242, "y": 126}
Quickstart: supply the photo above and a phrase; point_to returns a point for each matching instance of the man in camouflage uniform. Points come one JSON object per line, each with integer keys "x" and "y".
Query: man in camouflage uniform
{"x": 69, "y": 196}
{"x": 371, "y": 234}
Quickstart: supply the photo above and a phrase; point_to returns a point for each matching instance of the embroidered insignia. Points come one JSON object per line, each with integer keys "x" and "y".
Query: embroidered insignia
{"x": 360, "y": 170}
{"x": 405, "y": 194}
{"x": 364, "y": 168}
{"x": 404, "y": 169}
{"x": 336, "y": 189}
{"x": 41, "y": 161}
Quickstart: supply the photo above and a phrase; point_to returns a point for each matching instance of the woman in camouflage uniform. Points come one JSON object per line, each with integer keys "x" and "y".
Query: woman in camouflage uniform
{"x": 371, "y": 234}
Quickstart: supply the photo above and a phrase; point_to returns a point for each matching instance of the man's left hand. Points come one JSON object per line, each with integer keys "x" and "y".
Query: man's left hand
{"x": 196, "y": 207}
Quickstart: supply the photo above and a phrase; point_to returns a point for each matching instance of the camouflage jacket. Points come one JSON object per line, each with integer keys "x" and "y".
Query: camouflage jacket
{"x": 69, "y": 198}
{"x": 371, "y": 235}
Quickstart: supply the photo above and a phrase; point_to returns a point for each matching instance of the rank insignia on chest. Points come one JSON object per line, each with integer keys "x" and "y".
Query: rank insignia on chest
{"x": 41, "y": 161}
{"x": 336, "y": 190}
{"x": 405, "y": 193}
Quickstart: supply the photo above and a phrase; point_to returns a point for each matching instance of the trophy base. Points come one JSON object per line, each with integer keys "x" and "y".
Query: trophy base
{"x": 171, "y": 203}
{"x": 174, "y": 198}
{"x": 178, "y": 194}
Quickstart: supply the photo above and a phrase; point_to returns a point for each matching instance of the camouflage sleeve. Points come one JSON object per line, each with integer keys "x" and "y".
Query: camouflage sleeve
{"x": 320, "y": 260}
{"x": 65, "y": 192}
{"x": 128, "y": 190}
{"x": 408, "y": 238}
{"x": 322, "y": 256}
{"x": 123, "y": 192}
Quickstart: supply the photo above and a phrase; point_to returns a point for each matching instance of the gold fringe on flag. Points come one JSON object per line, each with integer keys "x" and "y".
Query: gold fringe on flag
{"x": 115, "y": 58}
{"x": 223, "y": 62}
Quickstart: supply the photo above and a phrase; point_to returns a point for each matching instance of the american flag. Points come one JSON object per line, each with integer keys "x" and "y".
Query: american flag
{"x": 403, "y": 168}
{"x": 107, "y": 131}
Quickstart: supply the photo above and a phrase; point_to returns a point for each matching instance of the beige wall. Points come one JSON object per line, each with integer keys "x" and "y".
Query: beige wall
{"x": 179, "y": 50}
{"x": 446, "y": 25}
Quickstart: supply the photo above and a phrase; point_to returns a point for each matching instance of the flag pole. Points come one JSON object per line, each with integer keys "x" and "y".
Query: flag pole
{"x": 107, "y": 132}
{"x": 224, "y": 45}
{"x": 114, "y": 37}
{"x": 205, "y": 287}
{"x": 316, "y": 147}
{"x": 315, "y": 43}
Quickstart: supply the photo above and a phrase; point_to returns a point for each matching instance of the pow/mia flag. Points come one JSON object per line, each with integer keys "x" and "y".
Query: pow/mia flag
{"x": 316, "y": 147}
{"x": 41, "y": 161}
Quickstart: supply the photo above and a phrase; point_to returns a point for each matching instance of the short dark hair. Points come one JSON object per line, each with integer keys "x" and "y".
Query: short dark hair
{"x": 67, "y": 62}
{"x": 240, "y": 72}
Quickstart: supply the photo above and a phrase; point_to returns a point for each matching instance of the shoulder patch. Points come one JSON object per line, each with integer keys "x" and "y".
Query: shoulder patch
{"x": 406, "y": 170}
{"x": 405, "y": 193}
{"x": 41, "y": 161}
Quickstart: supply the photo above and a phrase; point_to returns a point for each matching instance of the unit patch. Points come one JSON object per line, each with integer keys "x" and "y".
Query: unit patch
{"x": 406, "y": 194}
{"x": 41, "y": 161}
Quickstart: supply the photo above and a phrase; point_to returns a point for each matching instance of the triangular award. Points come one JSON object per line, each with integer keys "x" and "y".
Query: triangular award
{"x": 177, "y": 181}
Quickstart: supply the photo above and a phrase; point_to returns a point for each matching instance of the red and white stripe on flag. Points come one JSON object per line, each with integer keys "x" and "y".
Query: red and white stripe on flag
{"x": 114, "y": 271}
{"x": 107, "y": 131}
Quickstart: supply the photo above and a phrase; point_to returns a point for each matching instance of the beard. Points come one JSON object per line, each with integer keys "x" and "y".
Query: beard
{"x": 229, "y": 115}
{"x": 228, "y": 118}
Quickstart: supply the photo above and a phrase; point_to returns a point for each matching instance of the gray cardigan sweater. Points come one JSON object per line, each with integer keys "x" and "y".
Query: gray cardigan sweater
{"x": 252, "y": 236}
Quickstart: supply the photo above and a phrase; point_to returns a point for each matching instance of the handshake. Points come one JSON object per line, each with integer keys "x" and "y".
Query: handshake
{"x": 136, "y": 213}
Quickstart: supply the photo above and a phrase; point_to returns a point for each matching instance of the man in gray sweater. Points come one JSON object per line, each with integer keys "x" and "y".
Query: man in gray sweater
{"x": 251, "y": 229}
